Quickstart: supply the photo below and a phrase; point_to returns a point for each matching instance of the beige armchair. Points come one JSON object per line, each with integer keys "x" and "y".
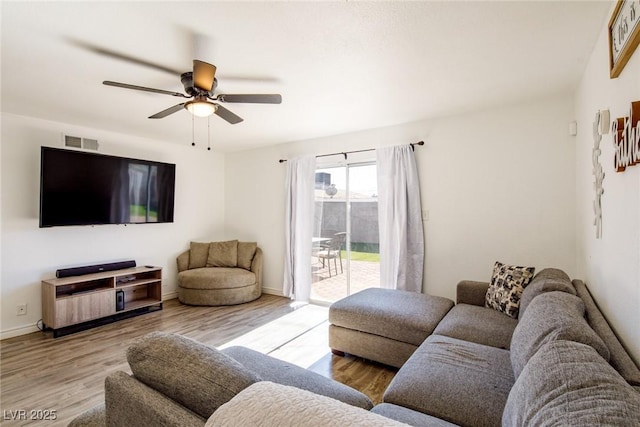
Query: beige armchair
{"x": 220, "y": 273}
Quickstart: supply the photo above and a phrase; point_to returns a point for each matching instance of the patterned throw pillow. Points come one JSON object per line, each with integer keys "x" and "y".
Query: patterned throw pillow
{"x": 506, "y": 286}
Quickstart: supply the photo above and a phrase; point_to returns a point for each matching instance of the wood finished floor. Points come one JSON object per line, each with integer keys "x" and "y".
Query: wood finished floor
{"x": 38, "y": 372}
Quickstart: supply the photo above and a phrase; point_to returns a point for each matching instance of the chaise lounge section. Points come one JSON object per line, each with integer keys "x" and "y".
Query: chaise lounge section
{"x": 384, "y": 325}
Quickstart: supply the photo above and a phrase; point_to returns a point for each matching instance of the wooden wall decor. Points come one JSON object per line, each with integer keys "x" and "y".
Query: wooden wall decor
{"x": 598, "y": 173}
{"x": 626, "y": 138}
{"x": 624, "y": 35}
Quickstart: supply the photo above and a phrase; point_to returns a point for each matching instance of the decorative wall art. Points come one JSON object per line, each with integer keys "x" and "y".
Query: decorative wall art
{"x": 626, "y": 138}
{"x": 624, "y": 34}
{"x": 598, "y": 173}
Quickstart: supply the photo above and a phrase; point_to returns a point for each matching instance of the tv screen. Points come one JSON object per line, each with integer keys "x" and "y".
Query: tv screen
{"x": 80, "y": 188}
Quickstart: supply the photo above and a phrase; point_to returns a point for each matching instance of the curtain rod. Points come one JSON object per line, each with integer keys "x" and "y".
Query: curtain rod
{"x": 344, "y": 153}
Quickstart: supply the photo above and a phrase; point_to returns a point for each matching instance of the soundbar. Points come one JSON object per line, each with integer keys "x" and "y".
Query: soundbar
{"x": 97, "y": 268}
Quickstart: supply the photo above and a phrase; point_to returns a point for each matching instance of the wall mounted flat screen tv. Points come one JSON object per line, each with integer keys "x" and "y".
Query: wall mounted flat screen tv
{"x": 81, "y": 188}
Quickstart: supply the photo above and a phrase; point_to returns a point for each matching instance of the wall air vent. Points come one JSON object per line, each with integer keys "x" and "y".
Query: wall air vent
{"x": 79, "y": 142}
{"x": 90, "y": 144}
{"x": 72, "y": 141}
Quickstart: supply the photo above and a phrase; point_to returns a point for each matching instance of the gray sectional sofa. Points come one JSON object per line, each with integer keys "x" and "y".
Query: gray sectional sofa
{"x": 558, "y": 363}
{"x": 476, "y": 370}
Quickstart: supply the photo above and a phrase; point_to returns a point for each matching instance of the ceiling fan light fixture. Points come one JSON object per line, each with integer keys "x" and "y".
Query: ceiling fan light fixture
{"x": 201, "y": 108}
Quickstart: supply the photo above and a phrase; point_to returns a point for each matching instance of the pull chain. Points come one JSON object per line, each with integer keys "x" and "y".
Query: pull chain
{"x": 209, "y": 133}
{"x": 193, "y": 138}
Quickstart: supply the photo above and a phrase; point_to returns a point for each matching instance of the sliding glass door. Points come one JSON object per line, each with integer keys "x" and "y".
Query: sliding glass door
{"x": 345, "y": 250}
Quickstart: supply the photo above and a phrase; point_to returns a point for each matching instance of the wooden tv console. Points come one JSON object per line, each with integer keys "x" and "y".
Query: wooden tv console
{"x": 79, "y": 302}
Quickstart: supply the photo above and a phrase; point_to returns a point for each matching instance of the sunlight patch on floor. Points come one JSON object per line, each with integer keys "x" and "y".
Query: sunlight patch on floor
{"x": 299, "y": 337}
{"x": 307, "y": 349}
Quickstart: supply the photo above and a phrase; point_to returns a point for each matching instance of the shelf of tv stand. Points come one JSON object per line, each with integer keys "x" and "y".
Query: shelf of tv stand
{"x": 91, "y": 299}
{"x": 134, "y": 305}
{"x": 134, "y": 283}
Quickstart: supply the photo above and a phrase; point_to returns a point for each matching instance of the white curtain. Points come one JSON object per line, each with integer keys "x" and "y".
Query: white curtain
{"x": 400, "y": 219}
{"x": 300, "y": 183}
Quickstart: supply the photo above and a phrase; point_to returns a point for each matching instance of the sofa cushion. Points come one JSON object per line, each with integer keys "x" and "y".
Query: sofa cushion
{"x": 198, "y": 377}
{"x": 94, "y": 417}
{"x": 278, "y": 371}
{"x": 223, "y": 254}
{"x": 471, "y": 292}
{"x": 408, "y": 416}
{"x": 458, "y": 381}
{"x": 506, "y": 286}
{"x": 619, "y": 358}
{"x": 401, "y": 315}
{"x": 547, "y": 280}
{"x": 246, "y": 251}
{"x": 198, "y": 253}
{"x": 130, "y": 402}
{"x": 216, "y": 278}
{"x": 552, "y": 316}
{"x": 477, "y": 324}
{"x": 269, "y": 404}
{"x": 550, "y": 273}
{"x": 568, "y": 383}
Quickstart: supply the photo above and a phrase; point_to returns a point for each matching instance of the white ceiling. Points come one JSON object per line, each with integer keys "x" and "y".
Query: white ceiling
{"x": 340, "y": 67}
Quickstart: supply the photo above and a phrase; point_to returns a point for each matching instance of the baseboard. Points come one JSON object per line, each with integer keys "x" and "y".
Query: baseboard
{"x": 271, "y": 291}
{"x": 169, "y": 295}
{"x": 16, "y": 332}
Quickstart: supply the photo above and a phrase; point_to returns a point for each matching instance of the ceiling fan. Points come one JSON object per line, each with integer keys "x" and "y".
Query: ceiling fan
{"x": 199, "y": 86}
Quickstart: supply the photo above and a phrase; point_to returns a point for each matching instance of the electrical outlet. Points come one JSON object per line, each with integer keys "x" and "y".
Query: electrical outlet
{"x": 21, "y": 310}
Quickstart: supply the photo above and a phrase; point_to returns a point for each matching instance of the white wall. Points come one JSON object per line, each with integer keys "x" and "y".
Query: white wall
{"x": 30, "y": 254}
{"x": 499, "y": 185}
{"x": 611, "y": 265}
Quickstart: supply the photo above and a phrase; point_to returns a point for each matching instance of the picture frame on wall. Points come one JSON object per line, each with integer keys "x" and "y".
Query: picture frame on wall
{"x": 624, "y": 34}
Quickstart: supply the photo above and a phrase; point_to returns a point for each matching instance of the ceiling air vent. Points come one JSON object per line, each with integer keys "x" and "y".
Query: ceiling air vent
{"x": 79, "y": 142}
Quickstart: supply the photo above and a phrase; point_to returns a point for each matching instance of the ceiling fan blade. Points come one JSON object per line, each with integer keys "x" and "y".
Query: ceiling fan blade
{"x": 123, "y": 57}
{"x": 168, "y": 111}
{"x": 228, "y": 115}
{"x": 253, "y": 99}
{"x": 203, "y": 75}
{"x": 199, "y": 45}
{"x": 146, "y": 89}
{"x": 246, "y": 78}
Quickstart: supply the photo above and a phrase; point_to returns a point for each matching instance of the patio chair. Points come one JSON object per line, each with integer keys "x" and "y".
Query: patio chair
{"x": 332, "y": 250}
